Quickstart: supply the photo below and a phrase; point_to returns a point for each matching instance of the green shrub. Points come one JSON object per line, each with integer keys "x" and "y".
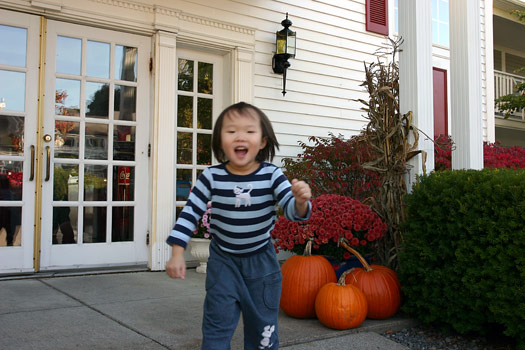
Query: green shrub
{"x": 462, "y": 264}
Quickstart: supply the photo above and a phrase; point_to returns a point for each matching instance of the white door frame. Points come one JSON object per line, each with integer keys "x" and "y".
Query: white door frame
{"x": 19, "y": 259}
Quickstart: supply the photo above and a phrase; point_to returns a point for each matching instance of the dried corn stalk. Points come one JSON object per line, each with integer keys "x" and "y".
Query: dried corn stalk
{"x": 387, "y": 134}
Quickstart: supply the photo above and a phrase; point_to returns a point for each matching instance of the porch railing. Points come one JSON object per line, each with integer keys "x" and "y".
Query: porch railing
{"x": 505, "y": 84}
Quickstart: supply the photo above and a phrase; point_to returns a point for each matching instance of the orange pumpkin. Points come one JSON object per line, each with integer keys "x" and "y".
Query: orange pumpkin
{"x": 303, "y": 277}
{"x": 378, "y": 284}
{"x": 389, "y": 271}
{"x": 341, "y": 306}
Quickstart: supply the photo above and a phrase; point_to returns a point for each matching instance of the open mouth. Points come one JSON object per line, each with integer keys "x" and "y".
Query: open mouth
{"x": 241, "y": 151}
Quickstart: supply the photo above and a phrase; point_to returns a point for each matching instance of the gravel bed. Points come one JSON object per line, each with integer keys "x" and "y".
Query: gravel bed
{"x": 426, "y": 338}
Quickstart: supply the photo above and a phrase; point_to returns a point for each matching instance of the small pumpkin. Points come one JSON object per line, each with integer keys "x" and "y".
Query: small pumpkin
{"x": 340, "y": 305}
{"x": 379, "y": 285}
{"x": 303, "y": 277}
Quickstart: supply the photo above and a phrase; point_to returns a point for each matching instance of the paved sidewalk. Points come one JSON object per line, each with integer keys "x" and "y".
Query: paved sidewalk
{"x": 145, "y": 310}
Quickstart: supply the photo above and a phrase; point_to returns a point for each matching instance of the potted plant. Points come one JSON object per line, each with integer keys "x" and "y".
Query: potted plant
{"x": 333, "y": 217}
{"x": 200, "y": 241}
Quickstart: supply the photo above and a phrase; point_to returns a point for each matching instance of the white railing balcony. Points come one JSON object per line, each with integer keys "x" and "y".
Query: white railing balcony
{"x": 505, "y": 84}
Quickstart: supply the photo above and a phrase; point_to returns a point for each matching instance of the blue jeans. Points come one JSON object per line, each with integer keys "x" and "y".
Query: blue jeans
{"x": 251, "y": 285}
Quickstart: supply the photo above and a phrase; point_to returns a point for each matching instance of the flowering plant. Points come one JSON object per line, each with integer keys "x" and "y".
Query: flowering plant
{"x": 333, "y": 216}
{"x": 494, "y": 155}
{"x": 203, "y": 228}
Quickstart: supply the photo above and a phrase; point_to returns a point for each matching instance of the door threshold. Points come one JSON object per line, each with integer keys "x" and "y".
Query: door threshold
{"x": 76, "y": 272}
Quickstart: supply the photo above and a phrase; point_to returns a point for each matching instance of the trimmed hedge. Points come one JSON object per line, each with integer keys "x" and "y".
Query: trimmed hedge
{"x": 462, "y": 264}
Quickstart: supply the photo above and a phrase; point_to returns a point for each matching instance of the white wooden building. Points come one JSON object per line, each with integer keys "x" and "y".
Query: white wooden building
{"x": 107, "y": 105}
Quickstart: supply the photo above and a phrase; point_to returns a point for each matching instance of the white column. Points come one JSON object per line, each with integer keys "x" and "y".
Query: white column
{"x": 465, "y": 84}
{"x": 243, "y": 74}
{"x": 415, "y": 77}
{"x": 163, "y": 147}
{"x": 489, "y": 71}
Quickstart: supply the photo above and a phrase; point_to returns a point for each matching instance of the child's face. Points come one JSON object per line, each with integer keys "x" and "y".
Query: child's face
{"x": 241, "y": 140}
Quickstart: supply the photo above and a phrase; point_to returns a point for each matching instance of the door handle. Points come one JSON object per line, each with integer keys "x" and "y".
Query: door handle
{"x": 48, "y": 163}
{"x": 32, "y": 173}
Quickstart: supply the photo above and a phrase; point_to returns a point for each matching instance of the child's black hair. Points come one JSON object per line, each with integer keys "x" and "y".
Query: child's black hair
{"x": 265, "y": 154}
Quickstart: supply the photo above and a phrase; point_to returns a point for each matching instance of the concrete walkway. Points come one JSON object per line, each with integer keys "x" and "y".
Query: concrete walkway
{"x": 144, "y": 310}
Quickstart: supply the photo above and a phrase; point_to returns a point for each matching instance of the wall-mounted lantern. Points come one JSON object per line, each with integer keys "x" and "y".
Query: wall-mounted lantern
{"x": 284, "y": 49}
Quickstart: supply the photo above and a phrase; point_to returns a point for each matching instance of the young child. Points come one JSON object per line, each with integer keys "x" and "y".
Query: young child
{"x": 243, "y": 273}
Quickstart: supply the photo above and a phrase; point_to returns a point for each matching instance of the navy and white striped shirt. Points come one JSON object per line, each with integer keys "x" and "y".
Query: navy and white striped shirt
{"x": 242, "y": 209}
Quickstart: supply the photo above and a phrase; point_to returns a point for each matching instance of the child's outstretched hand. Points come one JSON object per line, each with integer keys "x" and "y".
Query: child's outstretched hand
{"x": 302, "y": 194}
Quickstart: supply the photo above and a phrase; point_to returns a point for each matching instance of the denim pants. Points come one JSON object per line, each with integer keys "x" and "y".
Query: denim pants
{"x": 251, "y": 285}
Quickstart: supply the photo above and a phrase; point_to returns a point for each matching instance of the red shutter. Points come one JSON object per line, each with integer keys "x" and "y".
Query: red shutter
{"x": 440, "y": 102}
{"x": 377, "y": 16}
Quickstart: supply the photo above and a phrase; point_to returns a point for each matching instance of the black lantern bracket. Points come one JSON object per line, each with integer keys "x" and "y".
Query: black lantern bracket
{"x": 284, "y": 50}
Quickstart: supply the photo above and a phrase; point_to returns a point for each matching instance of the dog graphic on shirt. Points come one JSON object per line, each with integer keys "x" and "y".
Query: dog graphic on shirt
{"x": 240, "y": 194}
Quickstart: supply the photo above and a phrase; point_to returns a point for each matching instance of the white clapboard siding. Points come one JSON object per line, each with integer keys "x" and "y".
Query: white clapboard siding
{"x": 324, "y": 78}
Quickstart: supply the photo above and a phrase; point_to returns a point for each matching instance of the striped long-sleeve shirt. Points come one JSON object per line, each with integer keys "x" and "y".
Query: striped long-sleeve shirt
{"x": 242, "y": 209}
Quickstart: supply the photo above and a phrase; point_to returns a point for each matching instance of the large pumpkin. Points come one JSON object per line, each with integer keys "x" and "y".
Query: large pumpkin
{"x": 379, "y": 285}
{"x": 303, "y": 277}
{"x": 341, "y": 306}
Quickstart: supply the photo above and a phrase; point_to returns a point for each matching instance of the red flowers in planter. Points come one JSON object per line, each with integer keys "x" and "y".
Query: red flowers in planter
{"x": 333, "y": 216}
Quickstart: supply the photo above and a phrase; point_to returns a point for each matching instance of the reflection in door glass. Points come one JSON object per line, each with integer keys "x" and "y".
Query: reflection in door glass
{"x": 12, "y": 93}
{"x": 204, "y": 149}
{"x": 94, "y": 224}
{"x": 184, "y": 147}
{"x": 125, "y": 102}
{"x": 97, "y": 59}
{"x": 13, "y": 47}
{"x": 11, "y": 135}
{"x": 204, "y": 113}
{"x": 183, "y": 184}
{"x": 184, "y": 111}
{"x": 185, "y": 75}
{"x": 11, "y": 180}
{"x": 123, "y": 142}
{"x": 205, "y": 78}
{"x": 10, "y": 226}
{"x": 67, "y": 97}
{"x": 123, "y": 183}
{"x": 122, "y": 228}
{"x": 97, "y": 100}
{"x": 65, "y": 182}
{"x": 95, "y": 182}
{"x": 66, "y": 139}
{"x": 69, "y": 53}
{"x": 65, "y": 228}
{"x": 125, "y": 63}
{"x": 178, "y": 210}
{"x": 96, "y": 141}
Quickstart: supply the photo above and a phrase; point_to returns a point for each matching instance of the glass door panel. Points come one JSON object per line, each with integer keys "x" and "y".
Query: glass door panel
{"x": 19, "y": 35}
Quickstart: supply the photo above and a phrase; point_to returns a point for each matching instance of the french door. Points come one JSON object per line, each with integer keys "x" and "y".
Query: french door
{"x": 18, "y": 126}
{"x": 91, "y": 138}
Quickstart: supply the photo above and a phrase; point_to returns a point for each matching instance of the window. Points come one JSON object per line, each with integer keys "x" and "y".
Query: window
{"x": 498, "y": 64}
{"x": 440, "y": 23}
{"x": 513, "y": 63}
{"x": 396, "y": 16}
